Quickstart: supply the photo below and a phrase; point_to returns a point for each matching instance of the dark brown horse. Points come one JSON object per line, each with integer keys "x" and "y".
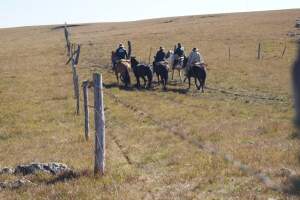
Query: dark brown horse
{"x": 121, "y": 68}
{"x": 162, "y": 70}
{"x": 141, "y": 71}
{"x": 198, "y": 73}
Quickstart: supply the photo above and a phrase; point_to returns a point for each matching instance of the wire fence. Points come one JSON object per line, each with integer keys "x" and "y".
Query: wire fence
{"x": 73, "y": 52}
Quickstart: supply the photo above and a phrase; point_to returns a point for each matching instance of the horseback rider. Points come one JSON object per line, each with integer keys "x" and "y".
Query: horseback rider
{"x": 160, "y": 55}
{"x": 194, "y": 59}
{"x": 179, "y": 53}
{"x": 120, "y": 54}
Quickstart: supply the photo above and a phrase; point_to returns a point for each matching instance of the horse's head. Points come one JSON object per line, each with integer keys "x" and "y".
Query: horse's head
{"x": 113, "y": 56}
{"x": 169, "y": 54}
{"x": 133, "y": 61}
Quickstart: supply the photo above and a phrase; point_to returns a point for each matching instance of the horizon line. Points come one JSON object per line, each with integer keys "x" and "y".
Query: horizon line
{"x": 147, "y": 19}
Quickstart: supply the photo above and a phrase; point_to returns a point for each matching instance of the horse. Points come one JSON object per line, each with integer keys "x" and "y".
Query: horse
{"x": 140, "y": 71}
{"x": 121, "y": 67}
{"x": 197, "y": 72}
{"x": 162, "y": 70}
{"x": 176, "y": 63}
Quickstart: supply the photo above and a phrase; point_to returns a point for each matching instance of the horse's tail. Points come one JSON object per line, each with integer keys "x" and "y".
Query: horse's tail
{"x": 149, "y": 76}
{"x": 127, "y": 77}
{"x": 165, "y": 75}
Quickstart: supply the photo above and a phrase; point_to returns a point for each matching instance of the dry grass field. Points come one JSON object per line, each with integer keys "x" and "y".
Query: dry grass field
{"x": 152, "y": 135}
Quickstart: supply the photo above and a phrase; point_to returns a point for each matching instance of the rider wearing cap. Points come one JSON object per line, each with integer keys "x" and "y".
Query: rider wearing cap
{"x": 195, "y": 59}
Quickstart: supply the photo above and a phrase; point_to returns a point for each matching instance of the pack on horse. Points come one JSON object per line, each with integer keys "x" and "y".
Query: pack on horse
{"x": 121, "y": 68}
{"x": 198, "y": 72}
{"x": 162, "y": 70}
{"x": 141, "y": 71}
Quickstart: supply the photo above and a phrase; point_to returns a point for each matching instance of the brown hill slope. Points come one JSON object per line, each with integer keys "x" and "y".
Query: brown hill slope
{"x": 246, "y": 110}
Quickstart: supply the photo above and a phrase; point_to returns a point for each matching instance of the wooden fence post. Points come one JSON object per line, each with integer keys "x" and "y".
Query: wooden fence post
{"x": 86, "y": 109}
{"x": 150, "y": 55}
{"x": 99, "y": 125}
{"x": 74, "y": 71}
{"x": 76, "y": 85}
{"x": 67, "y": 39}
{"x": 258, "y": 51}
{"x": 229, "y": 53}
{"x": 129, "y": 49}
{"x": 77, "y": 55}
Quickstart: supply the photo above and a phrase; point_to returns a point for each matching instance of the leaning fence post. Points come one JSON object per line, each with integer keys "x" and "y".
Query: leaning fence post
{"x": 99, "y": 125}
{"x": 86, "y": 109}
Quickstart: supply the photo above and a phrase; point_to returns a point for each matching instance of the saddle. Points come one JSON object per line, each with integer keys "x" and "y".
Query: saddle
{"x": 179, "y": 61}
{"x": 198, "y": 64}
{"x": 162, "y": 63}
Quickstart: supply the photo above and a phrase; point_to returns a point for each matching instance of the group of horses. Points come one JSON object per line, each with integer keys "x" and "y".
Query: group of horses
{"x": 123, "y": 67}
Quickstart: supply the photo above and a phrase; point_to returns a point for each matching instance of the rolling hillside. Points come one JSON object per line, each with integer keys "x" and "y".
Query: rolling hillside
{"x": 160, "y": 144}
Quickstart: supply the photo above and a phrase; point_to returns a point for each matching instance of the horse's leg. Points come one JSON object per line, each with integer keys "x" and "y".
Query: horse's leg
{"x": 198, "y": 87}
{"x": 116, "y": 73}
{"x": 203, "y": 84}
{"x": 173, "y": 73}
{"x": 145, "y": 81}
{"x": 189, "y": 78}
{"x": 157, "y": 74}
{"x": 137, "y": 81}
{"x": 179, "y": 72}
{"x": 166, "y": 79}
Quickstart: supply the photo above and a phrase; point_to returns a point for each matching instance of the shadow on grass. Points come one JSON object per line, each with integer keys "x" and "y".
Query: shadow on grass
{"x": 67, "y": 176}
{"x": 178, "y": 90}
{"x": 115, "y": 85}
{"x": 295, "y": 135}
{"x": 292, "y": 186}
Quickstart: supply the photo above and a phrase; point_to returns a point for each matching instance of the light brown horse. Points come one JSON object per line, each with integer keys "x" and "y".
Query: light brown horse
{"x": 121, "y": 68}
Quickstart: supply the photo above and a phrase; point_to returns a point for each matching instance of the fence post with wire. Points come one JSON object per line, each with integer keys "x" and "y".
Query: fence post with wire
{"x": 86, "y": 109}
{"x": 99, "y": 125}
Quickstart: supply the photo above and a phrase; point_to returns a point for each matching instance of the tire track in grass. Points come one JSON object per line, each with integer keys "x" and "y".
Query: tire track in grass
{"x": 120, "y": 146}
{"x": 206, "y": 147}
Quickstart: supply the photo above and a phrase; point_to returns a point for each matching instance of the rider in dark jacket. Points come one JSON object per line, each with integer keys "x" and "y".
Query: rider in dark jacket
{"x": 160, "y": 55}
{"x": 179, "y": 50}
{"x": 121, "y": 52}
